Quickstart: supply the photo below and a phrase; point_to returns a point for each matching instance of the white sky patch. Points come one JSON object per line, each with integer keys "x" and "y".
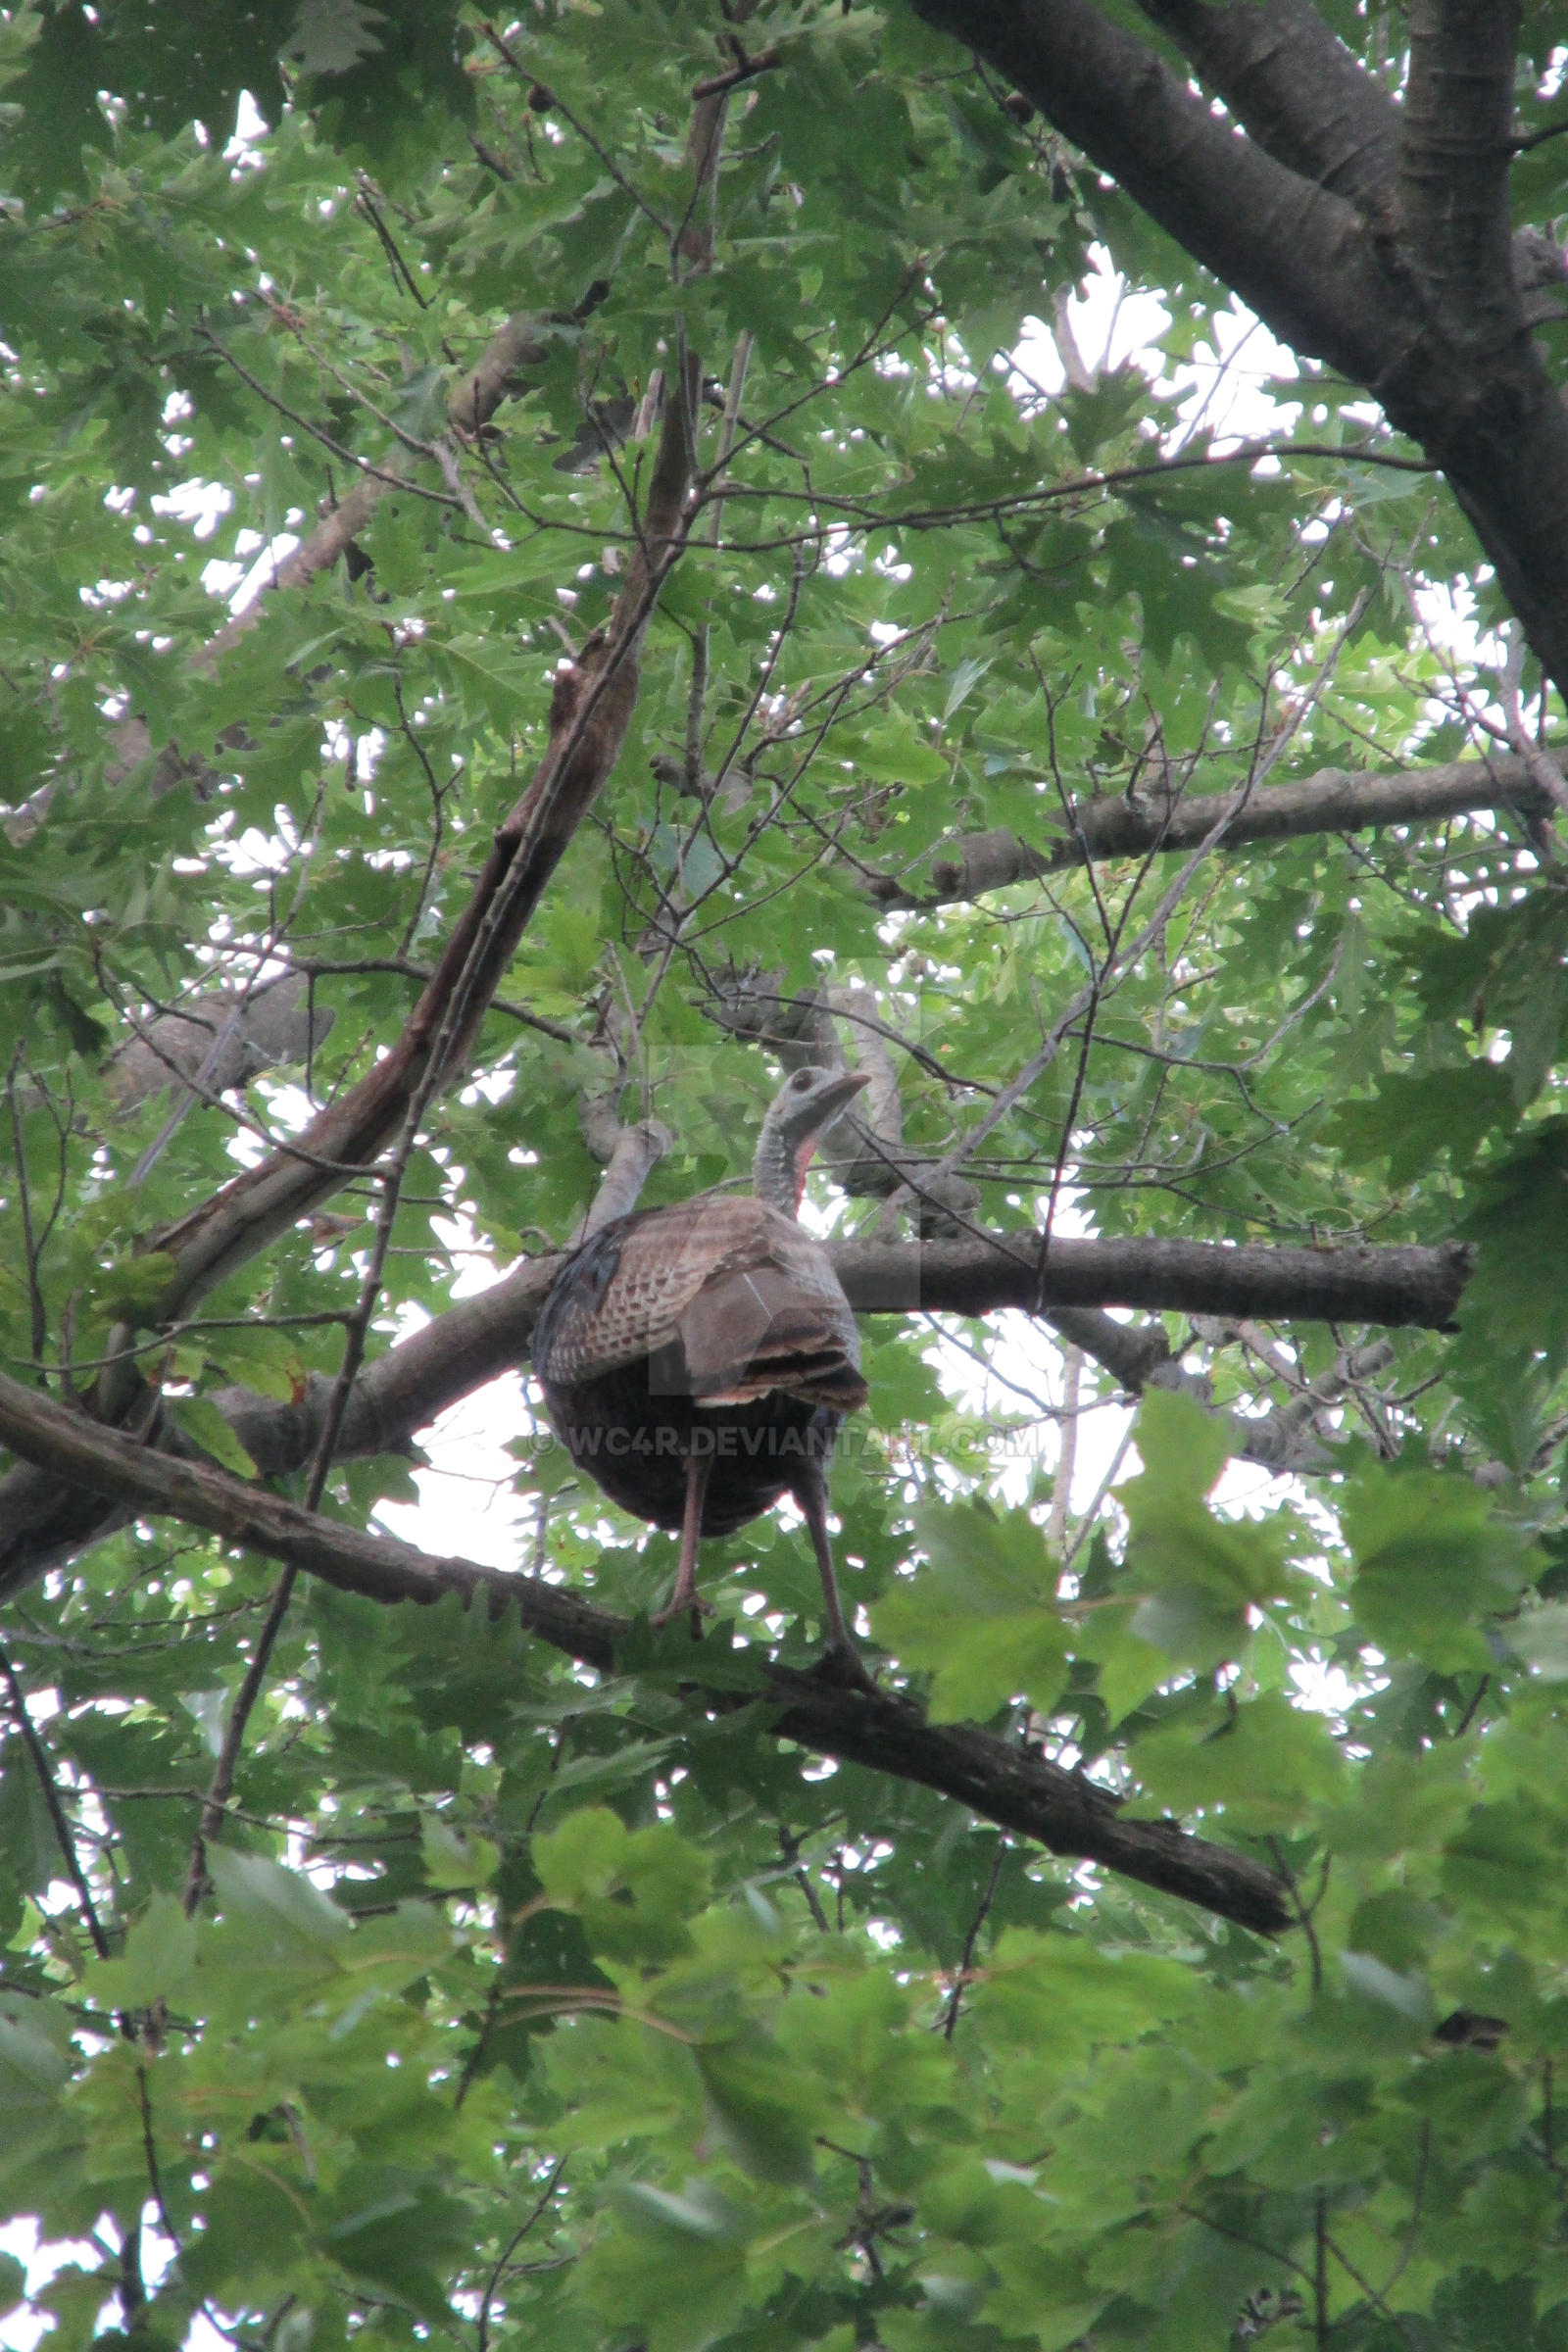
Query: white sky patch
{"x": 466, "y": 1502}
{"x": 23, "y": 2331}
{"x": 263, "y": 571}
{"x": 19, "y": 2238}
{"x": 250, "y": 124}
{"x": 1229, "y": 387}
{"x": 200, "y": 505}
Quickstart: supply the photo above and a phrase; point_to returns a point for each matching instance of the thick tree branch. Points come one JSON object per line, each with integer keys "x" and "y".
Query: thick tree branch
{"x": 1299, "y": 254}
{"x": 1334, "y": 801}
{"x": 1020, "y": 1790}
{"x": 44, "y": 1523}
{"x": 1294, "y": 88}
{"x": 976, "y": 1276}
{"x": 1473, "y": 388}
{"x": 1334, "y": 283}
{"x": 1454, "y": 154}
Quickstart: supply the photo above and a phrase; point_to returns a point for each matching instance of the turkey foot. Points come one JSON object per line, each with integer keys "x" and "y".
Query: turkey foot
{"x": 841, "y": 1660}
{"x": 842, "y": 1665}
{"x": 679, "y": 1601}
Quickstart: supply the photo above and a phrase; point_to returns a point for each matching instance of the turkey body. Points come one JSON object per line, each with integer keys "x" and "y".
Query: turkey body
{"x": 636, "y": 1447}
{"x": 713, "y": 1333}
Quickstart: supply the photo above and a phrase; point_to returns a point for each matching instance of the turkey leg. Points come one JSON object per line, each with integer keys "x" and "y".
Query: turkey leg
{"x": 810, "y": 1492}
{"x": 684, "y": 1596}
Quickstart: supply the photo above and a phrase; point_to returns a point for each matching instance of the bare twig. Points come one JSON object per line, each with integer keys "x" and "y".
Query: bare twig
{"x": 541, "y": 2206}
{"x": 56, "y": 1808}
{"x": 960, "y": 1974}
{"x": 216, "y": 1801}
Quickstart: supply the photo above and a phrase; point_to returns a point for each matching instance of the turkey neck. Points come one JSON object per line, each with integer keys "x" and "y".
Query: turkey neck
{"x": 778, "y": 1171}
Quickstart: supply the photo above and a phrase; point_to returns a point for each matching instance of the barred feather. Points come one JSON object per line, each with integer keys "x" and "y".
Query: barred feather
{"x": 731, "y": 1297}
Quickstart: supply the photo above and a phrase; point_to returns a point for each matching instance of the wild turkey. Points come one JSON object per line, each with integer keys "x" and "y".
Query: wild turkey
{"x": 699, "y": 1360}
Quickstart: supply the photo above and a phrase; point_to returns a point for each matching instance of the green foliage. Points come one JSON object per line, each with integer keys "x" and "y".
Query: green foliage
{"x": 982, "y": 1620}
{"x": 553, "y": 2009}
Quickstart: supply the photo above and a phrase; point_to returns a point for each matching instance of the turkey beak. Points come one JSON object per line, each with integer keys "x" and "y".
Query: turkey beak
{"x": 837, "y": 1096}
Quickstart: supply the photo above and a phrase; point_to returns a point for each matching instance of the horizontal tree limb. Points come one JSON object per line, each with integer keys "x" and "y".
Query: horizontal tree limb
{"x": 44, "y": 1524}
{"x": 1011, "y": 1786}
{"x": 1334, "y": 801}
{"x": 1356, "y": 1282}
